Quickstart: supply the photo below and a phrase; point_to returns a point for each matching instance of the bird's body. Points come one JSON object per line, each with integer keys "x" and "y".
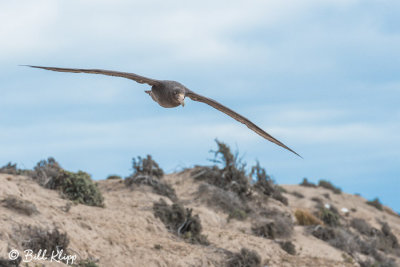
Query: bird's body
{"x": 170, "y": 94}
{"x": 164, "y": 93}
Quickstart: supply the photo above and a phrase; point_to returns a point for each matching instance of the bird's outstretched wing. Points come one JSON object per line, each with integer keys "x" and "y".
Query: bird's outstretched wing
{"x": 132, "y": 76}
{"x": 196, "y": 97}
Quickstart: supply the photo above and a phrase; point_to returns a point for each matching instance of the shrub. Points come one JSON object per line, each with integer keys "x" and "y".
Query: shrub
{"x": 337, "y": 237}
{"x": 114, "y": 177}
{"x": 279, "y": 227}
{"x": 78, "y": 187}
{"x": 46, "y": 240}
{"x": 231, "y": 177}
{"x": 158, "y": 186}
{"x": 386, "y": 240}
{"x": 20, "y": 205}
{"x": 306, "y": 183}
{"x": 297, "y": 194}
{"x": 9, "y": 169}
{"x": 147, "y": 172}
{"x": 244, "y": 258}
{"x": 304, "y": 217}
{"x": 180, "y": 221}
{"x": 329, "y": 216}
{"x": 146, "y": 166}
{"x": 10, "y": 263}
{"x": 46, "y": 172}
{"x": 223, "y": 200}
{"x": 266, "y": 185}
{"x": 288, "y": 246}
{"x": 375, "y": 203}
{"x": 87, "y": 263}
{"x": 361, "y": 226}
{"x": 328, "y": 185}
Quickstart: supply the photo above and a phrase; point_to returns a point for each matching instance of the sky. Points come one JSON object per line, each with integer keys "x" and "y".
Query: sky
{"x": 320, "y": 76}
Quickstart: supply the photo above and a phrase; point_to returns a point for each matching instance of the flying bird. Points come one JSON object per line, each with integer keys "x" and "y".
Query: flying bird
{"x": 170, "y": 94}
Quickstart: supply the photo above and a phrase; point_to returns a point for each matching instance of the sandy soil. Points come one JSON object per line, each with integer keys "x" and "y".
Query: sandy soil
{"x": 126, "y": 233}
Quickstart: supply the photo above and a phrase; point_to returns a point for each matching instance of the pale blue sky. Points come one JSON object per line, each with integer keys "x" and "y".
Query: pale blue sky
{"x": 321, "y": 76}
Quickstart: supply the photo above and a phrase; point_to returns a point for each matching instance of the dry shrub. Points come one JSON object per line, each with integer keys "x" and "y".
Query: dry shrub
{"x": 231, "y": 177}
{"x": 337, "y": 237}
{"x": 304, "y": 217}
{"x": 297, "y": 194}
{"x": 147, "y": 172}
{"x": 223, "y": 200}
{"x": 146, "y": 166}
{"x": 328, "y": 185}
{"x": 244, "y": 258}
{"x": 114, "y": 177}
{"x": 288, "y": 246}
{"x": 280, "y": 226}
{"x": 361, "y": 226}
{"x": 87, "y": 263}
{"x": 10, "y": 263}
{"x": 180, "y": 221}
{"x": 386, "y": 240}
{"x": 306, "y": 183}
{"x": 46, "y": 172}
{"x": 20, "y": 205}
{"x": 266, "y": 185}
{"x": 375, "y": 203}
{"x": 48, "y": 241}
{"x": 9, "y": 168}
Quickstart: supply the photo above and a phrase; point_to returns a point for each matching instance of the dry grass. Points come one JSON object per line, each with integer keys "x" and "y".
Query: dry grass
{"x": 304, "y": 217}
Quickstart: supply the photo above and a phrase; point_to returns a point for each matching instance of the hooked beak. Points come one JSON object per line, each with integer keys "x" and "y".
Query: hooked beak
{"x": 181, "y": 99}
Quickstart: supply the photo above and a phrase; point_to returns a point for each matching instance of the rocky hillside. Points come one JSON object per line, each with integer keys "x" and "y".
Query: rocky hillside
{"x": 204, "y": 216}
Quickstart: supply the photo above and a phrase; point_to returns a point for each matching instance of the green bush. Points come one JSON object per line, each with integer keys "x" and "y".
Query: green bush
{"x": 78, "y": 187}
{"x": 329, "y": 217}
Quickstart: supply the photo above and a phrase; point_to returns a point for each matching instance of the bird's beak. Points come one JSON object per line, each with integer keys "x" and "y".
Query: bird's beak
{"x": 181, "y": 98}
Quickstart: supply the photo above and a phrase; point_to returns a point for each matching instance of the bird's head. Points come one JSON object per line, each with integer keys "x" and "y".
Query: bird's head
{"x": 179, "y": 96}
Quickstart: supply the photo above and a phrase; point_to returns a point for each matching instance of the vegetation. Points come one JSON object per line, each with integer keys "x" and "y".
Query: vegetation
{"x": 180, "y": 221}
{"x": 147, "y": 172}
{"x": 306, "y": 183}
{"x": 304, "y": 217}
{"x": 328, "y": 185}
{"x": 266, "y": 185}
{"x": 78, "y": 187}
{"x": 20, "y": 205}
{"x": 288, "y": 246}
{"x": 244, "y": 258}
{"x": 231, "y": 177}
{"x": 226, "y": 201}
{"x": 279, "y": 226}
{"x": 36, "y": 238}
{"x": 114, "y": 177}
{"x": 375, "y": 203}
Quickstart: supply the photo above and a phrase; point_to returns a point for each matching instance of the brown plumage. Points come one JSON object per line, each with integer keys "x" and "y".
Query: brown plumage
{"x": 171, "y": 94}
